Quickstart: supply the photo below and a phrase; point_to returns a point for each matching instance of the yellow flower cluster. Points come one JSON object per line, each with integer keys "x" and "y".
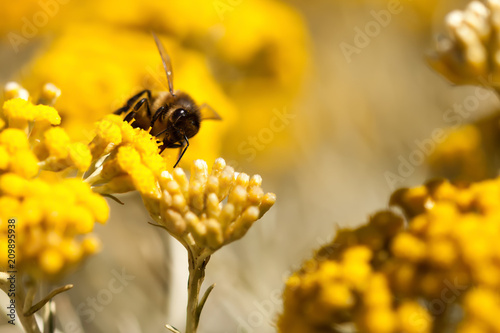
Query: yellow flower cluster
{"x": 193, "y": 212}
{"x": 386, "y": 278}
{"x": 53, "y": 218}
{"x": 327, "y": 293}
{"x": 53, "y": 223}
{"x": 131, "y": 160}
{"x": 468, "y": 55}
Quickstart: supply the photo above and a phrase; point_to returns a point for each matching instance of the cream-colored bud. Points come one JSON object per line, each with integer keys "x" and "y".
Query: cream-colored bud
{"x": 226, "y": 181}
{"x": 174, "y": 222}
{"x": 238, "y": 198}
{"x": 212, "y": 185}
{"x": 255, "y": 195}
{"x": 182, "y": 180}
{"x": 14, "y": 90}
{"x": 197, "y": 229}
{"x": 215, "y": 237}
{"x": 172, "y": 187}
{"x": 218, "y": 167}
{"x": 50, "y": 93}
{"x": 256, "y": 180}
{"x": 213, "y": 208}
{"x": 179, "y": 203}
{"x": 243, "y": 180}
{"x": 240, "y": 227}
{"x": 476, "y": 16}
{"x": 268, "y": 201}
{"x": 199, "y": 172}
{"x": 166, "y": 198}
{"x": 227, "y": 215}
{"x": 196, "y": 196}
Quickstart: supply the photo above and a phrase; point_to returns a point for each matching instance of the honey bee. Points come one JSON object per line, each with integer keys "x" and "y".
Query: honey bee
{"x": 173, "y": 117}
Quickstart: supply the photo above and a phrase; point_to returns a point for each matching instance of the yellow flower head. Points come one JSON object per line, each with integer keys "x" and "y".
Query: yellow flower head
{"x": 193, "y": 210}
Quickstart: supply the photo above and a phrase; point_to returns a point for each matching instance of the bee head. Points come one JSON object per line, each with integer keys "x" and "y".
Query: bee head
{"x": 186, "y": 122}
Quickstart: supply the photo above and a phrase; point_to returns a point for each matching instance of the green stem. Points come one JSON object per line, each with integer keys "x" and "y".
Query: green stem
{"x": 28, "y": 321}
{"x": 197, "y": 265}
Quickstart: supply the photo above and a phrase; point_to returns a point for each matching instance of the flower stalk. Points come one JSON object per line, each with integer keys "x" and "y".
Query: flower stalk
{"x": 197, "y": 265}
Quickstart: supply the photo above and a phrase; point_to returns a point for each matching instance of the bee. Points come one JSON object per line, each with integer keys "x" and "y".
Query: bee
{"x": 173, "y": 116}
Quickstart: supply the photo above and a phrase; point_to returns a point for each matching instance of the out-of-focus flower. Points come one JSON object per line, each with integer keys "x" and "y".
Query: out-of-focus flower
{"x": 53, "y": 218}
{"x": 460, "y": 156}
{"x": 19, "y": 15}
{"x": 223, "y": 56}
{"x": 469, "y": 53}
{"x": 385, "y": 276}
{"x": 119, "y": 64}
{"x": 53, "y": 223}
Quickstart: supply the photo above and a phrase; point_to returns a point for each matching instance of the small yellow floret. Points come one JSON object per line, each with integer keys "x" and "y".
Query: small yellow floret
{"x": 12, "y": 184}
{"x": 80, "y": 156}
{"x": 57, "y": 141}
{"x": 51, "y": 261}
{"x": 14, "y": 140}
{"x": 24, "y": 163}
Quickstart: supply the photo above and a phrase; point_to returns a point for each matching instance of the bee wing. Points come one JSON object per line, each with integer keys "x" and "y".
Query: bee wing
{"x": 165, "y": 58}
{"x": 208, "y": 113}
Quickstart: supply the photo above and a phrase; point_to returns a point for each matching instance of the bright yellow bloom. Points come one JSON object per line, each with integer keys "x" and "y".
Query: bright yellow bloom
{"x": 13, "y": 140}
{"x": 19, "y": 111}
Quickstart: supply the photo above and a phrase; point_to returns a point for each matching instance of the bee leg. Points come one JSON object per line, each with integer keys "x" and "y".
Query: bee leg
{"x": 132, "y": 100}
{"x": 161, "y": 110}
{"x": 139, "y": 104}
{"x": 130, "y": 116}
{"x": 184, "y": 146}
